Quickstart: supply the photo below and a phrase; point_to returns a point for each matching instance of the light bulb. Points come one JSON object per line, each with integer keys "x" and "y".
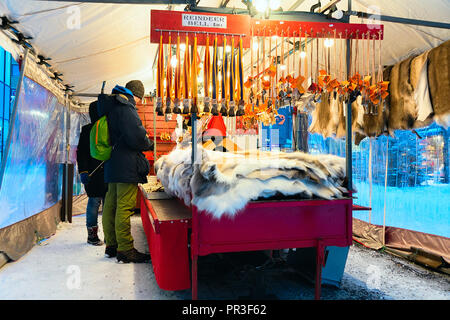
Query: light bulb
{"x": 255, "y": 46}
{"x": 228, "y": 49}
{"x": 328, "y": 43}
{"x": 182, "y": 47}
{"x": 338, "y": 14}
{"x": 274, "y": 4}
{"x": 282, "y": 67}
{"x": 173, "y": 61}
{"x": 261, "y": 5}
{"x": 302, "y": 54}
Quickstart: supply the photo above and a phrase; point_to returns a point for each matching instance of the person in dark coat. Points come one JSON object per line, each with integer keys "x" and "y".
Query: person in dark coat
{"x": 92, "y": 179}
{"x": 125, "y": 169}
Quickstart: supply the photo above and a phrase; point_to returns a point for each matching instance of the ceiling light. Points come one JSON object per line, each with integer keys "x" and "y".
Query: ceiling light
{"x": 261, "y": 5}
{"x": 274, "y": 4}
{"x": 173, "y": 61}
{"x": 328, "y": 43}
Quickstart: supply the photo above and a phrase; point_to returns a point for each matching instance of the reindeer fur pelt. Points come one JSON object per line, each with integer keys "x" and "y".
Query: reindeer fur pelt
{"x": 321, "y": 116}
{"x": 223, "y": 183}
{"x": 419, "y": 81}
{"x": 402, "y": 108}
{"x": 328, "y": 118}
{"x": 374, "y": 124}
{"x": 340, "y": 130}
{"x": 439, "y": 82}
{"x": 358, "y": 115}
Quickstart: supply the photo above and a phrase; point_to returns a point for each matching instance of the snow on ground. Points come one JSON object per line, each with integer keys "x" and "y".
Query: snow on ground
{"x": 66, "y": 267}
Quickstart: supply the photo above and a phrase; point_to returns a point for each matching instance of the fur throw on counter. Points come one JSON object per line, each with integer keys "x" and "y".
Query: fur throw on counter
{"x": 223, "y": 183}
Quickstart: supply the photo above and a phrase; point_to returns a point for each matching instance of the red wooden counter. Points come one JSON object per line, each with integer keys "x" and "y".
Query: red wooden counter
{"x": 262, "y": 225}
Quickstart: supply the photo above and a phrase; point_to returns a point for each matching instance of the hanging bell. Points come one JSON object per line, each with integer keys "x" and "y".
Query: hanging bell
{"x": 158, "y": 108}
{"x": 194, "y": 108}
{"x": 215, "y": 109}
{"x": 231, "y": 110}
{"x": 168, "y": 108}
{"x": 223, "y": 110}
{"x": 185, "y": 106}
{"x": 176, "y": 106}
{"x": 206, "y": 107}
{"x": 241, "y": 109}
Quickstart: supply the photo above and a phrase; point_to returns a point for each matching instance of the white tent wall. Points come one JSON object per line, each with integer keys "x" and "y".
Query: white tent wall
{"x": 93, "y": 42}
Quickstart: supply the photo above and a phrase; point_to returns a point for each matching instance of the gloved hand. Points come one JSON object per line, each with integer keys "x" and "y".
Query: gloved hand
{"x": 84, "y": 176}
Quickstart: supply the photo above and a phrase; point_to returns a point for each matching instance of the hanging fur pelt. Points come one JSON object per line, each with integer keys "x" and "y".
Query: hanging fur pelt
{"x": 419, "y": 82}
{"x": 439, "y": 82}
{"x": 340, "y": 130}
{"x": 358, "y": 115}
{"x": 374, "y": 124}
{"x": 223, "y": 183}
{"x": 321, "y": 115}
{"x": 402, "y": 107}
{"x": 325, "y": 117}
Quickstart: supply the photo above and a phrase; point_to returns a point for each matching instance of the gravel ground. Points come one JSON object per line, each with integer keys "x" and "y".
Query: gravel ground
{"x": 64, "y": 267}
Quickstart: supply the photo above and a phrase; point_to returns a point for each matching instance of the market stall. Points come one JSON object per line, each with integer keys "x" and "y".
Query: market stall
{"x": 249, "y": 72}
{"x": 251, "y": 200}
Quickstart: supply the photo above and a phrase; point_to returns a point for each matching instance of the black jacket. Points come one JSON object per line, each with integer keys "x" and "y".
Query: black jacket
{"x": 128, "y": 138}
{"x": 96, "y": 187}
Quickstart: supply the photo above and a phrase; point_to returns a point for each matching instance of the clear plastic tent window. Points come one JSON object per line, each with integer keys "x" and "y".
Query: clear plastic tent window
{"x": 32, "y": 180}
{"x": 417, "y": 194}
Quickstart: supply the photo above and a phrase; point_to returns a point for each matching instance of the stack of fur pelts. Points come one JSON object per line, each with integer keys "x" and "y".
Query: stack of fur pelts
{"x": 223, "y": 183}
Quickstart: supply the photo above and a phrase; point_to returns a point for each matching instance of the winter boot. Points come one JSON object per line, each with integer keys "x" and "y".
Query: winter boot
{"x": 111, "y": 251}
{"x": 93, "y": 237}
{"x": 132, "y": 256}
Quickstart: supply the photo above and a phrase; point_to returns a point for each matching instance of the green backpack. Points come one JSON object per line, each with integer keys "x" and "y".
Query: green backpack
{"x": 99, "y": 140}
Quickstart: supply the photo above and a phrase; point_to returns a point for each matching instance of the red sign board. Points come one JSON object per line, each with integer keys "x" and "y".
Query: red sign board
{"x": 201, "y": 25}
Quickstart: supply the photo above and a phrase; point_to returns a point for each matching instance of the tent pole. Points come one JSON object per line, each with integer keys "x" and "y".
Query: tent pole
{"x": 194, "y": 136}
{"x": 12, "y": 118}
{"x": 67, "y": 212}
{"x": 423, "y": 23}
{"x": 348, "y": 139}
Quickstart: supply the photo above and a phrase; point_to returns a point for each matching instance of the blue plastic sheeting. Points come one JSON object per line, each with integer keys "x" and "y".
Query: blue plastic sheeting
{"x": 77, "y": 121}
{"x": 417, "y": 194}
{"x": 32, "y": 180}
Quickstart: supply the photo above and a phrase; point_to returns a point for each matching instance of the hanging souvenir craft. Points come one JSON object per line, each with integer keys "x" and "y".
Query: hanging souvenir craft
{"x": 215, "y": 81}
{"x": 160, "y": 77}
{"x": 207, "y": 77}
{"x": 241, "y": 106}
{"x": 232, "y": 84}
{"x": 169, "y": 79}
{"x": 194, "y": 75}
{"x": 177, "y": 100}
{"x": 186, "y": 78}
{"x": 225, "y": 84}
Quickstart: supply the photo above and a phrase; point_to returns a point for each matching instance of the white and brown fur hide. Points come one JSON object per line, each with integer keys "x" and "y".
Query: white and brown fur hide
{"x": 439, "y": 82}
{"x": 419, "y": 82}
{"x": 224, "y": 183}
{"x": 402, "y": 108}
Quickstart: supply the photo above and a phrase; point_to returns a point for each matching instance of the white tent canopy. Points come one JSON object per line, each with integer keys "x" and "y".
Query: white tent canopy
{"x": 93, "y": 42}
